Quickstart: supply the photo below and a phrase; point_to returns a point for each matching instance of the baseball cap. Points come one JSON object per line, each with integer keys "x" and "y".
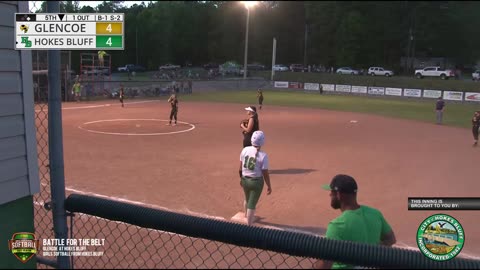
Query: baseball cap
{"x": 342, "y": 183}
{"x": 251, "y": 108}
{"x": 258, "y": 138}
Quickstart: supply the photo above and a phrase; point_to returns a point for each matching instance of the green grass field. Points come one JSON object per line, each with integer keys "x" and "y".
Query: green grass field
{"x": 395, "y": 81}
{"x": 458, "y": 115}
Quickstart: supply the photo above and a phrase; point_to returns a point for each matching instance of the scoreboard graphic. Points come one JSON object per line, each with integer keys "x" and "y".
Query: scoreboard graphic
{"x": 69, "y": 31}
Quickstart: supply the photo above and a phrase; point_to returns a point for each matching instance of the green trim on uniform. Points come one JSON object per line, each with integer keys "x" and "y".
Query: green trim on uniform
{"x": 253, "y": 189}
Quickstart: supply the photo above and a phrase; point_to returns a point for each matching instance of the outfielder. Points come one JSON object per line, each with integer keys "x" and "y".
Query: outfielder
{"x": 253, "y": 172}
{"x": 260, "y": 98}
{"x": 173, "y": 113}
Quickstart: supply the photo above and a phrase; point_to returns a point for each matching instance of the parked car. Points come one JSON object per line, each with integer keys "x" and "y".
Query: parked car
{"x": 230, "y": 68}
{"x": 138, "y": 68}
{"x": 96, "y": 71}
{"x": 347, "y": 70}
{"x": 125, "y": 68}
{"x": 379, "y": 71}
{"x": 211, "y": 66}
{"x": 131, "y": 67}
{"x": 476, "y": 75}
{"x": 434, "y": 72}
{"x": 318, "y": 68}
{"x": 255, "y": 66}
{"x": 297, "y": 68}
{"x": 280, "y": 68}
{"x": 169, "y": 67}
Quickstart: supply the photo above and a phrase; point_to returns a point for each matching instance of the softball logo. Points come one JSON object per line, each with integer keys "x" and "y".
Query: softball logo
{"x": 440, "y": 237}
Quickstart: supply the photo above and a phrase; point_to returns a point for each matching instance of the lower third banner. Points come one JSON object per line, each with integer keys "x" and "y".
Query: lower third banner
{"x": 443, "y": 203}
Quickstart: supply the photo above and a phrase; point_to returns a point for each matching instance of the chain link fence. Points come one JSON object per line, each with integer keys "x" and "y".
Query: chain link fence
{"x": 42, "y": 217}
{"x": 128, "y": 246}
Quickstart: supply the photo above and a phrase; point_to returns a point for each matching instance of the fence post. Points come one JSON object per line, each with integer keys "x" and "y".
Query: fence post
{"x": 55, "y": 145}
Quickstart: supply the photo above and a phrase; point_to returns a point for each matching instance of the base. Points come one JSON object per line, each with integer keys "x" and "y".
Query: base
{"x": 240, "y": 218}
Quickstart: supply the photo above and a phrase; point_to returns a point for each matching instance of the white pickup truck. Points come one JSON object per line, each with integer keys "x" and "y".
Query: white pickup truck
{"x": 434, "y": 72}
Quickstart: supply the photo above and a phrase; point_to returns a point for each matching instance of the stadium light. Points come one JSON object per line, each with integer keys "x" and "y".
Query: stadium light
{"x": 248, "y": 6}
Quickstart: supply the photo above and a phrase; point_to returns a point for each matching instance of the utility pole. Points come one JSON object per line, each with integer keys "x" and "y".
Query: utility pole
{"x": 274, "y": 54}
{"x": 305, "y": 46}
{"x": 136, "y": 45}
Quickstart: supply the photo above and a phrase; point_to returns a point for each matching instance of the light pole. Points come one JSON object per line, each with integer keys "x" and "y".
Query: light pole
{"x": 248, "y": 5}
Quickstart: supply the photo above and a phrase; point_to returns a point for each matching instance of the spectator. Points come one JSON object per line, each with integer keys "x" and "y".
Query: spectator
{"x": 357, "y": 223}
{"x": 190, "y": 86}
{"x": 440, "y": 108}
{"x": 76, "y": 90}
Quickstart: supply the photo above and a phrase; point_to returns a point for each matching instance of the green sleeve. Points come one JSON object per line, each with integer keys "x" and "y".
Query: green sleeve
{"x": 334, "y": 231}
{"x": 385, "y": 226}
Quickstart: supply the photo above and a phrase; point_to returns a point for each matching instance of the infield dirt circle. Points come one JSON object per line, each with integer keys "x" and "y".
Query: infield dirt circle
{"x": 197, "y": 171}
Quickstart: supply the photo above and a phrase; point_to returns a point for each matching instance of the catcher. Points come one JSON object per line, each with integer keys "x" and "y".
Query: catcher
{"x": 173, "y": 113}
{"x": 249, "y": 125}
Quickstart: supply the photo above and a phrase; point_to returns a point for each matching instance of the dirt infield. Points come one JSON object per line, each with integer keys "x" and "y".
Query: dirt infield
{"x": 197, "y": 171}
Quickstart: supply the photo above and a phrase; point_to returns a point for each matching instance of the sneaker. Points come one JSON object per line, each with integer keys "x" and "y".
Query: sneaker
{"x": 174, "y": 124}
{"x": 167, "y": 124}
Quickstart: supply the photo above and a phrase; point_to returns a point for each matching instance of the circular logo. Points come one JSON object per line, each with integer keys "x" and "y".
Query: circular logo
{"x": 440, "y": 237}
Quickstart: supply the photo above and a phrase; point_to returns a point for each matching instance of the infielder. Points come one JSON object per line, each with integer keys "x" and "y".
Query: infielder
{"x": 253, "y": 172}
{"x": 249, "y": 125}
{"x": 475, "y": 127}
{"x": 173, "y": 113}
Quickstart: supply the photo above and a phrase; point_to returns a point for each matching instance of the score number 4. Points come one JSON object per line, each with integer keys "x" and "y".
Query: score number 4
{"x": 109, "y": 40}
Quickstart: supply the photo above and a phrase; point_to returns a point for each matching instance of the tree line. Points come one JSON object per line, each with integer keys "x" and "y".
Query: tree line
{"x": 330, "y": 33}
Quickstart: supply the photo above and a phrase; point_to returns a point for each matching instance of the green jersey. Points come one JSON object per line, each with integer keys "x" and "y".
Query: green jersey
{"x": 76, "y": 88}
{"x": 364, "y": 225}
{"x": 101, "y": 54}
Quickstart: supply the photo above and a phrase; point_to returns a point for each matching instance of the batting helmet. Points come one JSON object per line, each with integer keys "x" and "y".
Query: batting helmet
{"x": 258, "y": 138}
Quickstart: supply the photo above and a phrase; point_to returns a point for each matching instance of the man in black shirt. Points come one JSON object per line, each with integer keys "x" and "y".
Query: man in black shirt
{"x": 439, "y": 108}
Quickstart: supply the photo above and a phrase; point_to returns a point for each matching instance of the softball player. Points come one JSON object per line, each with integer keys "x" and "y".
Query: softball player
{"x": 121, "y": 95}
{"x": 475, "y": 127}
{"x": 260, "y": 98}
{"x": 253, "y": 172}
{"x": 252, "y": 125}
{"x": 173, "y": 113}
